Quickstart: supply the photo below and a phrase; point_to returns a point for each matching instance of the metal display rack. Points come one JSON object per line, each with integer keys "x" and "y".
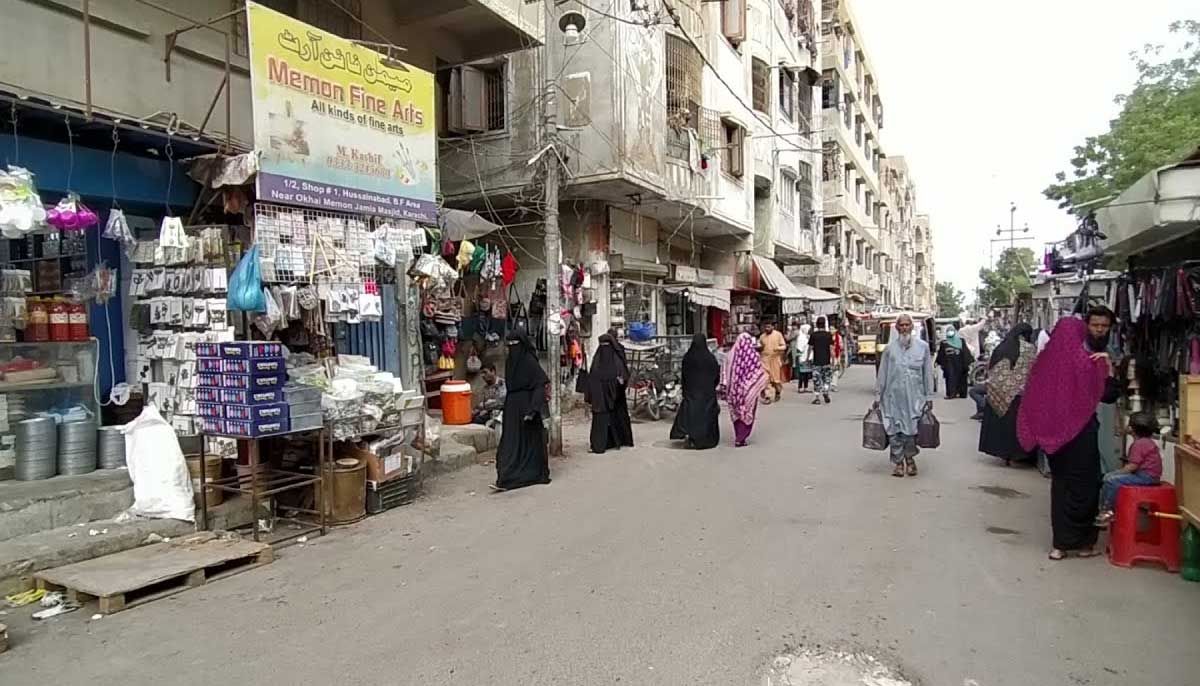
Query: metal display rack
{"x": 262, "y": 483}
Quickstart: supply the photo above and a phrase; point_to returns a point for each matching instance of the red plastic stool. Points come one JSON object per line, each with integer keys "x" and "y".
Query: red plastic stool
{"x": 1136, "y": 535}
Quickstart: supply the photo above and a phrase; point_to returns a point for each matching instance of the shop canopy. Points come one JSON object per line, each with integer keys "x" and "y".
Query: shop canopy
{"x": 793, "y": 295}
{"x": 709, "y": 297}
{"x": 1158, "y": 208}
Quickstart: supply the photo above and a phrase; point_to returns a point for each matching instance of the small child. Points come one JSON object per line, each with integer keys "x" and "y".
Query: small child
{"x": 1143, "y": 465}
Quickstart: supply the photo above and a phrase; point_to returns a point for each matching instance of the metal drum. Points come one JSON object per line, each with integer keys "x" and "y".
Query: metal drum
{"x": 37, "y": 449}
{"x": 77, "y": 447}
{"x": 111, "y": 447}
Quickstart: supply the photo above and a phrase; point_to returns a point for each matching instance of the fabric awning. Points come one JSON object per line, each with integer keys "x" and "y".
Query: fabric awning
{"x": 461, "y": 225}
{"x": 709, "y": 297}
{"x": 775, "y": 278}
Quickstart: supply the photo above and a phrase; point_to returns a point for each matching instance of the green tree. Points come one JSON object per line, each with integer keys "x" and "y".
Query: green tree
{"x": 1159, "y": 123}
{"x": 1010, "y": 277}
{"x": 949, "y": 299}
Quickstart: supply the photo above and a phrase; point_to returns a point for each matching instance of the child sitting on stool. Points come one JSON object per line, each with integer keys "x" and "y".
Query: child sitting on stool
{"x": 1143, "y": 465}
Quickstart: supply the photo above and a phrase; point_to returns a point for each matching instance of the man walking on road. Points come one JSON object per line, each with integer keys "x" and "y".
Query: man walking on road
{"x": 820, "y": 354}
{"x": 904, "y": 388}
{"x": 774, "y": 347}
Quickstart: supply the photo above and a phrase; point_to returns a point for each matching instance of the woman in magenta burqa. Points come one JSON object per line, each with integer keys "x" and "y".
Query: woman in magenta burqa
{"x": 743, "y": 379}
{"x": 1058, "y": 414}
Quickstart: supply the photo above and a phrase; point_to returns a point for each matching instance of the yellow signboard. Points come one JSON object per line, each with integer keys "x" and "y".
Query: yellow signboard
{"x": 339, "y": 126}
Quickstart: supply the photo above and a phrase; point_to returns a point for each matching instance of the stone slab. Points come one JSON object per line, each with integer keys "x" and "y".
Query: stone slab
{"x": 27, "y": 507}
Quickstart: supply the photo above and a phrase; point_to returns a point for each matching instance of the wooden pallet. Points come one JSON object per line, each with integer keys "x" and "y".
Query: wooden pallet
{"x": 137, "y": 576}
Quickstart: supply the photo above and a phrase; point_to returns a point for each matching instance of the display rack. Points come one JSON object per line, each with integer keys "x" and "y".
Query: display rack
{"x": 73, "y": 364}
{"x": 264, "y": 481}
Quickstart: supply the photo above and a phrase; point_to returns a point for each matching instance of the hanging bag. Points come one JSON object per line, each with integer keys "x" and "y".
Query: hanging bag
{"x": 929, "y": 431}
{"x": 874, "y": 435}
{"x": 245, "y": 285}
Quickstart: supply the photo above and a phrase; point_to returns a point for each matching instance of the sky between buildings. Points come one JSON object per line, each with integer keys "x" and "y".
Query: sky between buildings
{"x": 987, "y": 99}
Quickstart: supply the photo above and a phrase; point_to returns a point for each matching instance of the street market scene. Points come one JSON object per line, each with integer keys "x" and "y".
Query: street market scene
{"x": 594, "y": 342}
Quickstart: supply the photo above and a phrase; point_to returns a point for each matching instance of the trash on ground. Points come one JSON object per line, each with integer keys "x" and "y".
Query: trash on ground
{"x": 302, "y": 539}
{"x": 153, "y": 538}
{"x": 24, "y": 598}
{"x": 97, "y": 616}
{"x": 57, "y": 610}
{"x": 51, "y": 598}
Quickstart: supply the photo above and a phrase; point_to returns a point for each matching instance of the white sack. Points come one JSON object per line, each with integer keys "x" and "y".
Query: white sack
{"x": 162, "y": 488}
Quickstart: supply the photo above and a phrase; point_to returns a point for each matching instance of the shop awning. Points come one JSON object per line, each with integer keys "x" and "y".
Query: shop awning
{"x": 460, "y": 225}
{"x": 709, "y": 297}
{"x": 775, "y": 278}
{"x": 1158, "y": 208}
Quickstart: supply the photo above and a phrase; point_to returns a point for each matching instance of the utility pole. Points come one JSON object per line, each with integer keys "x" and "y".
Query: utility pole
{"x": 553, "y": 238}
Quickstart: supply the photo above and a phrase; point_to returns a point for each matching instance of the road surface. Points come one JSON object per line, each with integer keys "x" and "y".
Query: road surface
{"x": 663, "y": 566}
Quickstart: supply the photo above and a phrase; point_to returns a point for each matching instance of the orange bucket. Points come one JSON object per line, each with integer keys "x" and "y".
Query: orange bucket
{"x": 456, "y": 402}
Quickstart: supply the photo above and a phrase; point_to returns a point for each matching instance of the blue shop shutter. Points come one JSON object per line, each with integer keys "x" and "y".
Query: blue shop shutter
{"x": 378, "y": 341}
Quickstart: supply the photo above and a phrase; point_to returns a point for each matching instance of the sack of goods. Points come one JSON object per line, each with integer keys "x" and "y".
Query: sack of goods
{"x": 874, "y": 436}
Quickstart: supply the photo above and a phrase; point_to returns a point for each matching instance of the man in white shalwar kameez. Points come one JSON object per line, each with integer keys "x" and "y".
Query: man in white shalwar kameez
{"x": 904, "y": 387}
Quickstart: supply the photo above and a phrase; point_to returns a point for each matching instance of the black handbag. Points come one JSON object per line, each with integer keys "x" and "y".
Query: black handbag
{"x": 929, "y": 431}
{"x": 874, "y": 435}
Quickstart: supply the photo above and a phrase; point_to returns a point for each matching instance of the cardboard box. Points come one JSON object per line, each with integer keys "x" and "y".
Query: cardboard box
{"x": 380, "y": 468}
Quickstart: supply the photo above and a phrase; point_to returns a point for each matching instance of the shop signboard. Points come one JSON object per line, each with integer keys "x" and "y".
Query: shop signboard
{"x": 339, "y": 126}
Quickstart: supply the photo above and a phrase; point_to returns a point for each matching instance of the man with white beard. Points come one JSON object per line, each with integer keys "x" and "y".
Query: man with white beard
{"x": 904, "y": 387}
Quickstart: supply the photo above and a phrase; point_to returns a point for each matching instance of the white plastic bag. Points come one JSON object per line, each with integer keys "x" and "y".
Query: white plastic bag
{"x": 162, "y": 488}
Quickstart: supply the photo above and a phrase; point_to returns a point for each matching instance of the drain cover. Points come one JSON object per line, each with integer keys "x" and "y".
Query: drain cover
{"x": 814, "y": 667}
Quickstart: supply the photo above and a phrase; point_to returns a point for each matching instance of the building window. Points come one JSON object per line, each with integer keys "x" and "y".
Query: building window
{"x": 849, "y": 174}
{"x": 831, "y": 162}
{"x": 847, "y": 110}
{"x": 760, "y": 80}
{"x": 787, "y": 193}
{"x": 684, "y": 71}
{"x": 787, "y": 94}
{"x": 733, "y": 151}
{"x": 804, "y": 104}
{"x": 320, "y": 13}
{"x": 858, "y": 130}
{"x": 829, "y": 91}
{"x": 475, "y": 98}
{"x": 805, "y": 189}
{"x": 733, "y": 20}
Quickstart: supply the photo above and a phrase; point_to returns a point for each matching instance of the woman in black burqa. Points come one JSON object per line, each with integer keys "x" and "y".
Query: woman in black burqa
{"x": 696, "y": 420}
{"x": 521, "y": 459}
{"x": 604, "y": 390}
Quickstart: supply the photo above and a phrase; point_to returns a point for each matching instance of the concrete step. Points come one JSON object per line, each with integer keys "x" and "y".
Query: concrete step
{"x": 22, "y": 556}
{"x": 27, "y": 507}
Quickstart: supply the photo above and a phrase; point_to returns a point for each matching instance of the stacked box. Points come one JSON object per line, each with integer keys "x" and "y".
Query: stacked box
{"x": 304, "y": 406}
{"x": 240, "y": 389}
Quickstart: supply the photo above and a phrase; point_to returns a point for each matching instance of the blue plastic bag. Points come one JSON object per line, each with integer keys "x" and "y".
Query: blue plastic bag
{"x": 642, "y": 331}
{"x": 245, "y": 285}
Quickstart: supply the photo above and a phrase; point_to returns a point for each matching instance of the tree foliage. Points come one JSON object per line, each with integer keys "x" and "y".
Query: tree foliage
{"x": 1010, "y": 278}
{"x": 949, "y": 299}
{"x": 1159, "y": 123}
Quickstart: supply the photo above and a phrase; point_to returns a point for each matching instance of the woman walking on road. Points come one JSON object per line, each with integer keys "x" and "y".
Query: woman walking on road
{"x": 1008, "y": 371}
{"x": 604, "y": 390}
{"x": 521, "y": 458}
{"x": 696, "y": 421}
{"x": 955, "y": 359}
{"x": 742, "y": 381}
{"x": 800, "y": 355}
{"x": 1058, "y": 415}
{"x": 904, "y": 388}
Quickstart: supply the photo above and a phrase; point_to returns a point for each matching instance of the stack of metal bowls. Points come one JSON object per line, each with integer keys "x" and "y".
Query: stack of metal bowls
{"x": 37, "y": 449}
{"x": 77, "y": 447}
{"x": 111, "y": 448}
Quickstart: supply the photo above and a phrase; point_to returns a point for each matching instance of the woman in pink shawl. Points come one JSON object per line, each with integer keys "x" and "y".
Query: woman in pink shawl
{"x": 743, "y": 379}
{"x": 1058, "y": 414}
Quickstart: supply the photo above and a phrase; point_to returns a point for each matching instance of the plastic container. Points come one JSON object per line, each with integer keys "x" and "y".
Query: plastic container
{"x": 1189, "y": 553}
{"x": 77, "y": 315}
{"x": 456, "y": 403}
{"x": 60, "y": 320}
{"x": 38, "y": 329}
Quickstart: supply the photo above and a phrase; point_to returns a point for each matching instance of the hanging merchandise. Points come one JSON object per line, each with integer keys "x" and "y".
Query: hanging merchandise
{"x": 509, "y": 268}
{"x": 117, "y": 229}
{"x": 245, "y": 285}
{"x": 70, "y": 213}
{"x": 384, "y": 249}
{"x": 487, "y": 265}
{"x": 20, "y": 206}
{"x": 499, "y": 301}
{"x": 170, "y": 233}
{"x": 466, "y": 251}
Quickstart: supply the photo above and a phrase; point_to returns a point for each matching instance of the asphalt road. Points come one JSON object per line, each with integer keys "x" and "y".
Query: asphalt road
{"x": 663, "y": 566}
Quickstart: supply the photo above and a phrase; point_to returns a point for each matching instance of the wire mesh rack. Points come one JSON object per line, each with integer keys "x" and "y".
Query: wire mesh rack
{"x": 301, "y": 245}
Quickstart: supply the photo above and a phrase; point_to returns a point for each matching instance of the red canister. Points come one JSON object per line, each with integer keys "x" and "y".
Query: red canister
{"x": 60, "y": 320}
{"x": 79, "y": 321}
{"x": 38, "y": 328}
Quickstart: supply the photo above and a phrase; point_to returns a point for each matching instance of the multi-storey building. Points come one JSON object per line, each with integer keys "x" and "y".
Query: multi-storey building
{"x": 853, "y": 198}
{"x": 687, "y": 132}
{"x": 897, "y": 232}
{"x": 926, "y": 296}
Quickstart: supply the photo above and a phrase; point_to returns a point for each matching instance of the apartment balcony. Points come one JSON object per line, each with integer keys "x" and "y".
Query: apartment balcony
{"x": 793, "y": 245}
{"x": 842, "y": 204}
{"x": 834, "y": 128}
{"x": 477, "y": 28}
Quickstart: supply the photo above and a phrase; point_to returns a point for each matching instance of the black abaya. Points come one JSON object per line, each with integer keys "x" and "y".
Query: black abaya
{"x": 605, "y": 392}
{"x": 956, "y": 365}
{"x": 998, "y": 435}
{"x": 521, "y": 458}
{"x": 1075, "y": 490}
{"x": 696, "y": 419}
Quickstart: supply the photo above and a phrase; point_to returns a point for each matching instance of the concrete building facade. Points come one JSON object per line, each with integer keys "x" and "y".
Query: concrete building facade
{"x": 687, "y": 133}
